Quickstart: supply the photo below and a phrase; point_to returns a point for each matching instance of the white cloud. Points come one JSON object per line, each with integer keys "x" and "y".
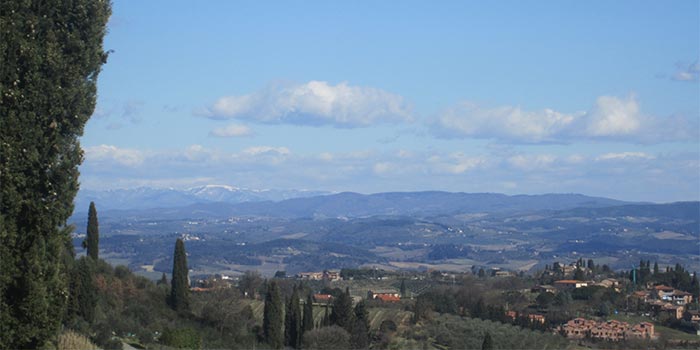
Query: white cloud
{"x": 506, "y": 122}
{"x": 261, "y": 150}
{"x": 314, "y": 103}
{"x": 232, "y": 130}
{"x": 122, "y": 156}
{"x": 611, "y": 118}
{"x": 625, "y": 156}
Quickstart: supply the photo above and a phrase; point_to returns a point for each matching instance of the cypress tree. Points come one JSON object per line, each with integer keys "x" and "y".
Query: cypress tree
{"x": 50, "y": 56}
{"x": 86, "y": 294}
{"x": 308, "y": 322}
{"x": 272, "y": 317}
{"x": 402, "y": 289}
{"x": 92, "y": 241}
{"x": 163, "y": 280}
{"x": 488, "y": 342}
{"x": 342, "y": 311}
{"x": 180, "y": 291}
{"x": 359, "y": 337}
{"x": 292, "y": 321}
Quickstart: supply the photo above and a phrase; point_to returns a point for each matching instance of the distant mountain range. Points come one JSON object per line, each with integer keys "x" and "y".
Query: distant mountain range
{"x": 223, "y": 201}
{"x": 149, "y": 198}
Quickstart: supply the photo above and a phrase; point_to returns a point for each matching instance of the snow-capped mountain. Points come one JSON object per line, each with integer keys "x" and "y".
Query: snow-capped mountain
{"x": 147, "y": 197}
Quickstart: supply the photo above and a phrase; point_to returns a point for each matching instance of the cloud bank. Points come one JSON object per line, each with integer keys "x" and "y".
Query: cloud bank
{"x": 314, "y": 103}
{"x": 609, "y": 119}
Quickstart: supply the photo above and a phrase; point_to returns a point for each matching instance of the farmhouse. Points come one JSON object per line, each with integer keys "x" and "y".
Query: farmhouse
{"x": 569, "y": 284}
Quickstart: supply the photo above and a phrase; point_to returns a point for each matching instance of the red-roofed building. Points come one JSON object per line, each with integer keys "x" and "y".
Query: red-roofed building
{"x": 323, "y": 298}
{"x": 388, "y": 298}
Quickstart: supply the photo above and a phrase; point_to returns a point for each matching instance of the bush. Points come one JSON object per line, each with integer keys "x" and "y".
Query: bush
{"x": 324, "y": 338}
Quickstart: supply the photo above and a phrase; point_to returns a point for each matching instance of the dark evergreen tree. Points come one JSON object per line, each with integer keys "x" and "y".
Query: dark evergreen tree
{"x": 292, "y": 321}
{"x": 359, "y": 337}
{"x": 402, "y": 288}
{"x": 272, "y": 317}
{"x": 482, "y": 273}
{"x": 92, "y": 241}
{"x": 342, "y": 314}
{"x": 308, "y": 322}
{"x": 50, "y": 56}
{"x": 163, "y": 280}
{"x": 180, "y": 289}
{"x": 656, "y": 268}
{"x": 86, "y": 293}
{"x": 488, "y": 342}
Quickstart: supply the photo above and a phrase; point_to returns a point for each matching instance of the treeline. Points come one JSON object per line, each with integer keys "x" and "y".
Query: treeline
{"x": 677, "y": 277}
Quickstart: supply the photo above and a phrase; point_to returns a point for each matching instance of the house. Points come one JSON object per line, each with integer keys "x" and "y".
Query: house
{"x": 512, "y": 314}
{"x": 663, "y": 292}
{"x": 569, "y": 284}
{"x": 611, "y": 330}
{"x": 331, "y": 275}
{"x": 374, "y": 294}
{"x": 680, "y": 297}
{"x": 674, "y": 311}
{"x": 536, "y": 318}
{"x": 388, "y": 298}
{"x": 609, "y": 283}
{"x": 322, "y": 298}
{"x": 643, "y": 296}
{"x": 310, "y": 276}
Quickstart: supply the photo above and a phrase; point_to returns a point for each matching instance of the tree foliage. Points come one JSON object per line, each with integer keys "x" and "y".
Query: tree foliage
{"x": 92, "y": 241}
{"x": 292, "y": 321}
{"x": 272, "y": 317}
{"x": 50, "y": 56}
{"x": 180, "y": 289}
{"x": 308, "y": 321}
{"x": 342, "y": 313}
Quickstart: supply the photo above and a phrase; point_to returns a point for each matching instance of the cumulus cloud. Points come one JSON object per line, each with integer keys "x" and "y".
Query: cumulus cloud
{"x": 314, "y": 103}
{"x": 121, "y": 156}
{"x": 611, "y": 118}
{"x": 687, "y": 72}
{"x": 232, "y": 130}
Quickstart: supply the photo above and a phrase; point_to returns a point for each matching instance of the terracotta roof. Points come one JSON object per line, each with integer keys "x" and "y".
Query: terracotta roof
{"x": 323, "y": 297}
{"x": 388, "y": 298}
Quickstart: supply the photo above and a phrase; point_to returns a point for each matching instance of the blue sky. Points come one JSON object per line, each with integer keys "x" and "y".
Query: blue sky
{"x": 599, "y": 98}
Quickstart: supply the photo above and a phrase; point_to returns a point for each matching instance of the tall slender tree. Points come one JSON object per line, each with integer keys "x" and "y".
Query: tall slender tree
{"x": 359, "y": 337}
{"x": 487, "y": 344}
{"x": 272, "y": 317}
{"x": 180, "y": 289}
{"x": 292, "y": 321}
{"x": 308, "y": 322}
{"x": 50, "y": 56}
{"x": 92, "y": 241}
{"x": 342, "y": 313}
